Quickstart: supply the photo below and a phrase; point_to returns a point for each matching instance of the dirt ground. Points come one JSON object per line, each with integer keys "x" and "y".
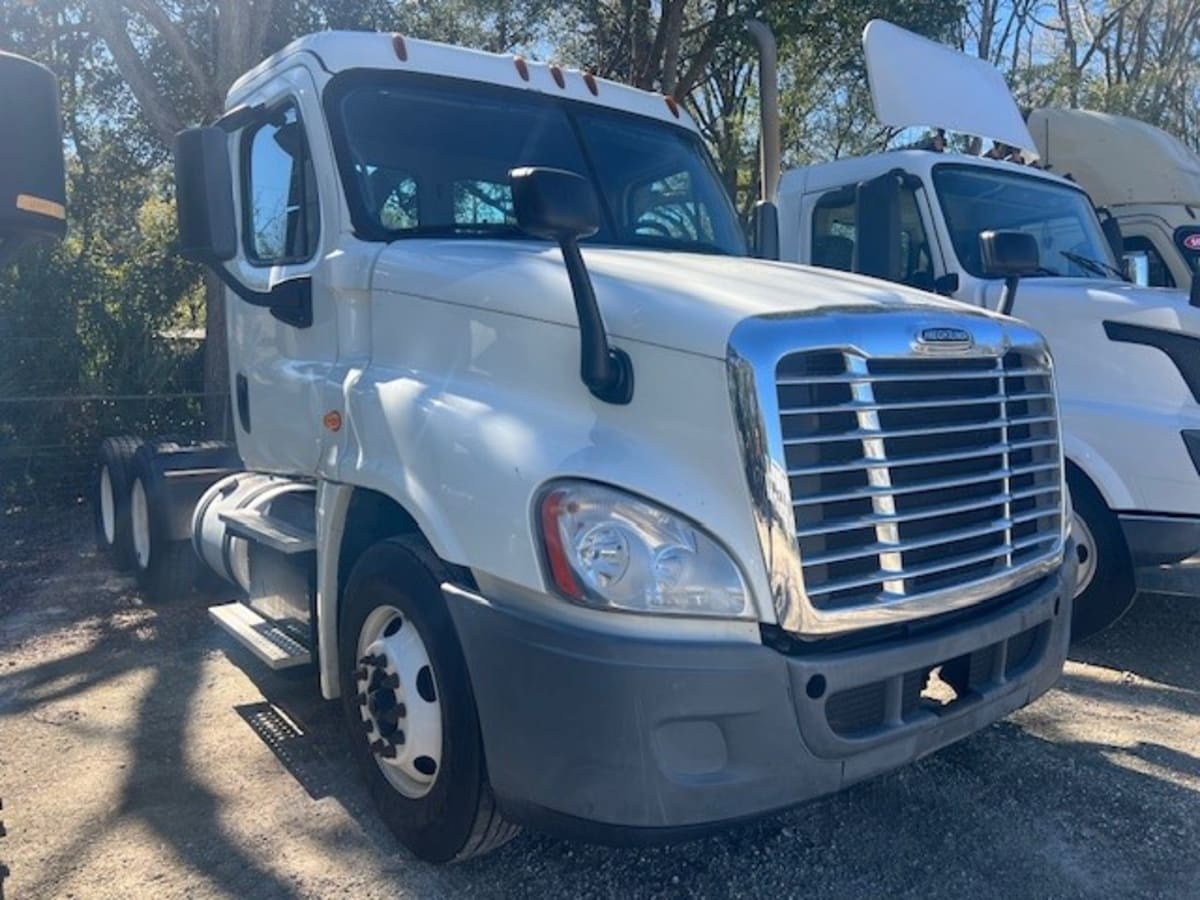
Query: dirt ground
{"x": 143, "y": 754}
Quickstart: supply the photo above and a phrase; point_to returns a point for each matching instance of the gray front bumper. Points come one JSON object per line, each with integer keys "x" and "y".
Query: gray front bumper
{"x": 1158, "y": 540}
{"x": 620, "y": 739}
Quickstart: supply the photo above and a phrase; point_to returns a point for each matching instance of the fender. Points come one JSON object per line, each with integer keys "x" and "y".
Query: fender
{"x": 333, "y": 502}
{"x": 1093, "y": 464}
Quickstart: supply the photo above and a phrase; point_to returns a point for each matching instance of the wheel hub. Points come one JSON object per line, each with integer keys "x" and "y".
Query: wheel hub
{"x": 1085, "y": 554}
{"x": 398, "y": 702}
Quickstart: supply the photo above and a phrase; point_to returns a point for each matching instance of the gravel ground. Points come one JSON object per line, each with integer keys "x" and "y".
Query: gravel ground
{"x": 142, "y": 753}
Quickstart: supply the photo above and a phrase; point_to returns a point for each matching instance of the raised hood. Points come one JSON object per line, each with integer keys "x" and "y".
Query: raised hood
{"x": 1117, "y": 160}
{"x": 686, "y": 301}
{"x": 918, "y": 82}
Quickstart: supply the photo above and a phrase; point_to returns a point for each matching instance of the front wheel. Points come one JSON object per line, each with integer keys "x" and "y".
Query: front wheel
{"x": 410, "y": 709}
{"x": 1105, "y": 587}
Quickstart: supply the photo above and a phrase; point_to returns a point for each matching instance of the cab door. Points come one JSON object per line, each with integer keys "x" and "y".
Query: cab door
{"x": 280, "y": 359}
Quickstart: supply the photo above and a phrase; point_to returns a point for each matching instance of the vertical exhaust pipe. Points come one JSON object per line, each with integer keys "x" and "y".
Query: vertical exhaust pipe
{"x": 768, "y": 93}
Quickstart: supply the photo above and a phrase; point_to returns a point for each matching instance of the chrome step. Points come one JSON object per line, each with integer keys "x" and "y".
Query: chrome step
{"x": 268, "y": 531}
{"x": 271, "y": 643}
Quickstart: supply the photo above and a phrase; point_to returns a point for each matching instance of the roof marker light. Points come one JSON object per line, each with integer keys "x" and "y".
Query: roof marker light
{"x": 590, "y": 80}
{"x": 399, "y": 46}
{"x": 556, "y": 72}
{"x": 672, "y": 105}
{"x": 522, "y": 67}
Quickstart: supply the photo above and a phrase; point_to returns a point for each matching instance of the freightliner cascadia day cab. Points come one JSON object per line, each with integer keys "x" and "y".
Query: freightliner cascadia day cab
{"x": 32, "y": 177}
{"x": 1147, "y": 179}
{"x": 1126, "y": 355}
{"x": 592, "y": 522}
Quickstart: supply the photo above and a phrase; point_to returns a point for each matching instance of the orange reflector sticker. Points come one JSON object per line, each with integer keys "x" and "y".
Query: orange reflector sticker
{"x": 333, "y": 420}
{"x": 41, "y": 206}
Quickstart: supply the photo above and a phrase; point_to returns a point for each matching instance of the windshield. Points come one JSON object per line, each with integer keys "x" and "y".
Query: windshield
{"x": 1070, "y": 240}
{"x": 430, "y": 156}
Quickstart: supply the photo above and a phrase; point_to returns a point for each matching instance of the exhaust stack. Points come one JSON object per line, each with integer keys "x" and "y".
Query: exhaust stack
{"x": 768, "y": 93}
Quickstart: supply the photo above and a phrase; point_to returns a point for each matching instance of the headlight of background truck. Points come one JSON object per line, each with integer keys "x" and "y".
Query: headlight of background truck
{"x": 609, "y": 549}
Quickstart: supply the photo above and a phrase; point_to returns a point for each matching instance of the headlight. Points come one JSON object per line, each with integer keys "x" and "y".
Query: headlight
{"x": 609, "y": 549}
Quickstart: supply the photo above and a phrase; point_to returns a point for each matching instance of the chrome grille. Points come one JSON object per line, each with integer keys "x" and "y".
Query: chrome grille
{"x": 910, "y": 476}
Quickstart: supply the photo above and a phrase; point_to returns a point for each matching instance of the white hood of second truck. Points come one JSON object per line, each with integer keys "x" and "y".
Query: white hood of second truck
{"x": 686, "y": 301}
{"x": 1103, "y": 300}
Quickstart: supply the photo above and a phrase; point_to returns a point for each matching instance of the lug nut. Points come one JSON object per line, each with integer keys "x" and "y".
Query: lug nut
{"x": 374, "y": 659}
{"x": 361, "y": 673}
{"x": 362, "y": 698}
{"x": 391, "y": 682}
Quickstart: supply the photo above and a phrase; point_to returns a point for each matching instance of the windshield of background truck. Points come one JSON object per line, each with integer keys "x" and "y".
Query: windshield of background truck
{"x": 431, "y": 156}
{"x": 1070, "y": 240}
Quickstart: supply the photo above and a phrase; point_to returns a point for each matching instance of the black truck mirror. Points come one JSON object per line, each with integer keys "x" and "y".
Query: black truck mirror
{"x": 204, "y": 196}
{"x": 1009, "y": 255}
{"x": 877, "y": 227}
{"x": 554, "y": 204}
{"x": 561, "y": 206}
{"x": 32, "y": 180}
{"x": 764, "y": 230}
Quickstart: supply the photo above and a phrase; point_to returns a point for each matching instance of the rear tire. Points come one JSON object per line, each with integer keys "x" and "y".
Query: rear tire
{"x": 111, "y": 498}
{"x": 393, "y": 625}
{"x": 165, "y": 568}
{"x": 1106, "y": 586}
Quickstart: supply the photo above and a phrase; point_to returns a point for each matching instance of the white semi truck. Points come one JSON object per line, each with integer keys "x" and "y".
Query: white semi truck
{"x": 591, "y": 522}
{"x": 1148, "y": 180}
{"x": 1128, "y": 357}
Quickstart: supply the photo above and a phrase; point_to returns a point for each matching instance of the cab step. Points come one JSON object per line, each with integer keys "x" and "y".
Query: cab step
{"x": 268, "y": 531}
{"x": 278, "y": 647}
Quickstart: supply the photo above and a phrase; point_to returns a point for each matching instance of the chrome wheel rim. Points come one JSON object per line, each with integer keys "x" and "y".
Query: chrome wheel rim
{"x": 139, "y": 521}
{"x": 108, "y": 507}
{"x": 1085, "y": 554}
{"x": 398, "y": 702}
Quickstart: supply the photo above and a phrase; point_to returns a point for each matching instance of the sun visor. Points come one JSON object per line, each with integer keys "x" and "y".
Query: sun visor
{"x": 918, "y": 82}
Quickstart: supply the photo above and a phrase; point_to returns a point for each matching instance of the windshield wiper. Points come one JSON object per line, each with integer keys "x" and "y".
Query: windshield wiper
{"x": 1095, "y": 266}
{"x": 482, "y": 229}
{"x": 653, "y": 242}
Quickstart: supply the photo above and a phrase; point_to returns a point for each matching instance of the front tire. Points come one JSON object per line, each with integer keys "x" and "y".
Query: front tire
{"x": 410, "y": 709}
{"x": 1105, "y": 588}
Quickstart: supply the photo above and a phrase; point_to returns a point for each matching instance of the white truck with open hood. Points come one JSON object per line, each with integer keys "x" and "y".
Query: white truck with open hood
{"x": 590, "y": 520}
{"x": 1148, "y": 180}
{"x": 1127, "y": 357}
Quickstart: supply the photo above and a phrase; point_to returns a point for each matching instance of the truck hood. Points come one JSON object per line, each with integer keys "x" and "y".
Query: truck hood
{"x": 1113, "y": 300}
{"x": 686, "y": 301}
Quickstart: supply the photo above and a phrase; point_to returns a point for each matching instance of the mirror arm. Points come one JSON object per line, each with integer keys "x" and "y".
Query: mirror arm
{"x": 1009, "y": 297}
{"x": 607, "y": 371}
{"x": 289, "y": 301}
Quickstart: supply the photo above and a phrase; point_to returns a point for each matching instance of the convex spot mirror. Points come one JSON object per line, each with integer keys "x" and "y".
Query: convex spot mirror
{"x": 204, "y": 196}
{"x": 32, "y": 181}
{"x": 554, "y": 204}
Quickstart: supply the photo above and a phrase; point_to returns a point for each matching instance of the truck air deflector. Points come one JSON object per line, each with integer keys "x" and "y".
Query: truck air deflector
{"x": 917, "y": 82}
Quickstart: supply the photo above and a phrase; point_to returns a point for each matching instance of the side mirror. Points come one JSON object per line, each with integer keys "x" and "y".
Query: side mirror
{"x": 204, "y": 196}
{"x": 764, "y": 230}
{"x": 32, "y": 179}
{"x": 1136, "y": 265}
{"x": 554, "y": 204}
{"x": 1009, "y": 254}
{"x": 561, "y": 206}
{"x": 877, "y": 227}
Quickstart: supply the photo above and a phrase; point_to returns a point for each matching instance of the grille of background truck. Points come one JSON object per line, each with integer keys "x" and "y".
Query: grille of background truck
{"x": 910, "y": 476}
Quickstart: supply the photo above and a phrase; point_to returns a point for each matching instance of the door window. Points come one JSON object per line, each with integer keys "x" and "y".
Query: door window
{"x": 281, "y": 217}
{"x": 834, "y": 234}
